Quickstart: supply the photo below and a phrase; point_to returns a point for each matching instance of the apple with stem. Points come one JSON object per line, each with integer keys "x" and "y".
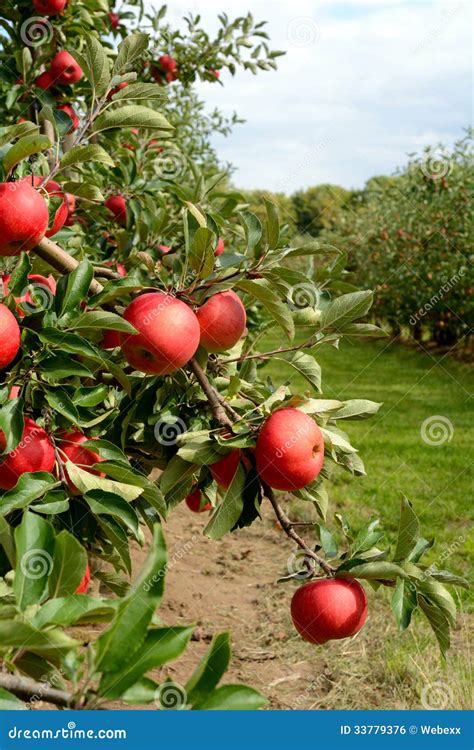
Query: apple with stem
{"x": 23, "y": 218}
{"x": 35, "y": 452}
{"x": 329, "y": 609}
{"x": 222, "y": 320}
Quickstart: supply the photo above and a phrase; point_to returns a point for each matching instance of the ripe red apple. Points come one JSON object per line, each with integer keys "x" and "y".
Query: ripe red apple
{"x": 117, "y": 205}
{"x": 49, "y": 7}
{"x": 215, "y": 73}
{"x": 111, "y": 340}
{"x": 65, "y": 69}
{"x": 84, "y": 584}
{"x": 71, "y": 445}
{"x": 68, "y": 110}
{"x": 118, "y": 88}
{"x": 329, "y": 609}
{"x": 168, "y": 63}
{"x": 165, "y": 249}
{"x": 10, "y": 338}
{"x": 114, "y": 19}
{"x": 54, "y": 191}
{"x": 14, "y": 392}
{"x": 45, "y": 80}
{"x": 290, "y": 450}
{"x": 23, "y": 218}
{"x": 223, "y": 471}
{"x": 220, "y": 247}
{"x": 193, "y": 501}
{"x": 168, "y": 334}
{"x": 35, "y": 452}
{"x": 119, "y": 267}
{"x": 222, "y": 320}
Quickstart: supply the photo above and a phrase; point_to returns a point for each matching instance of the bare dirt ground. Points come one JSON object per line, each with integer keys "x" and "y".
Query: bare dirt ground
{"x": 231, "y": 585}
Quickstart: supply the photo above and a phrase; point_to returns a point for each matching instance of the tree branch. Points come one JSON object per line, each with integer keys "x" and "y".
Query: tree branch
{"x": 61, "y": 261}
{"x": 289, "y": 530}
{"x": 29, "y": 690}
{"x": 211, "y": 394}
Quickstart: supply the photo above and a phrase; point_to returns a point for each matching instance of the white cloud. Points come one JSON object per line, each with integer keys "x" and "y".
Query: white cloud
{"x": 380, "y": 78}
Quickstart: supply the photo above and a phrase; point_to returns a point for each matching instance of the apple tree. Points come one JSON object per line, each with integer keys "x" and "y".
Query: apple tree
{"x": 140, "y": 302}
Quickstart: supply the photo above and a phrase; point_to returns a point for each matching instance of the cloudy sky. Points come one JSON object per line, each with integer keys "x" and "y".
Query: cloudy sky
{"x": 364, "y": 82}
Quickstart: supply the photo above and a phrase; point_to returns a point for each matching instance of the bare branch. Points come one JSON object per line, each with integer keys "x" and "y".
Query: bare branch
{"x": 61, "y": 261}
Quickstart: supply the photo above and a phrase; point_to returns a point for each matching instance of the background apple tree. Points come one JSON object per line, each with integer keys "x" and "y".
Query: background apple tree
{"x": 131, "y": 127}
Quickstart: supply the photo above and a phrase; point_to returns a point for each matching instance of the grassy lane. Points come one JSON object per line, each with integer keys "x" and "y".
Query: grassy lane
{"x": 437, "y": 478}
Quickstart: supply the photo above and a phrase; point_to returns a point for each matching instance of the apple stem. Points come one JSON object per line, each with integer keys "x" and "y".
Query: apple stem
{"x": 288, "y": 528}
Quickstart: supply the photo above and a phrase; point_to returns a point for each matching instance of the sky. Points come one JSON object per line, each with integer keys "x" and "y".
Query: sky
{"x": 364, "y": 83}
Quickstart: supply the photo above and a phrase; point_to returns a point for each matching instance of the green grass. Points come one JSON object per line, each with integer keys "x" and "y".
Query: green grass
{"x": 436, "y": 478}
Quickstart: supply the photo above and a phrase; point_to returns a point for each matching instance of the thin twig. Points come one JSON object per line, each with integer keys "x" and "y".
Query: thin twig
{"x": 29, "y": 690}
{"x": 211, "y": 394}
{"x": 288, "y": 528}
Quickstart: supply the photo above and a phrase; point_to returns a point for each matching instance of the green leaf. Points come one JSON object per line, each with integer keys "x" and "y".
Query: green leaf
{"x": 74, "y": 610}
{"x": 201, "y": 254}
{"x": 84, "y": 190}
{"x": 377, "y": 570}
{"x": 94, "y": 63}
{"x": 85, "y": 482}
{"x": 151, "y": 492}
{"x": 124, "y": 638}
{"x": 81, "y": 154}
{"x": 12, "y": 423}
{"x": 51, "y": 644}
{"x": 404, "y": 601}
{"x": 17, "y": 131}
{"x": 328, "y": 543}
{"x": 142, "y": 693}
{"x": 160, "y": 646}
{"x": 272, "y": 224}
{"x": 25, "y": 147}
{"x": 70, "y": 560}
{"x": 74, "y": 287}
{"x": 210, "y": 670}
{"x": 265, "y": 293}
{"x": 34, "y": 539}
{"x": 313, "y": 248}
{"x": 439, "y": 623}
{"x": 131, "y": 49}
{"x": 19, "y": 277}
{"x": 229, "y": 510}
{"x": 103, "y": 320}
{"x": 446, "y": 577}
{"x": 29, "y": 487}
{"x": 132, "y": 116}
{"x": 89, "y": 397}
{"x": 357, "y": 408}
{"x": 253, "y": 228}
{"x": 305, "y": 365}
{"x": 176, "y": 480}
{"x": 139, "y": 92}
{"x": 9, "y": 702}
{"x": 440, "y": 597}
{"x": 232, "y": 698}
{"x": 345, "y": 309}
{"x": 105, "y": 503}
{"x": 57, "y": 368}
{"x": 408, "y": 531}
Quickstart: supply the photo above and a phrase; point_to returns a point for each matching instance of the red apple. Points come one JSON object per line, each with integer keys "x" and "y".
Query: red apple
{"x": 290, "y": 450}
{"x": 118, "y": 88}
{"x": 193, "y": 501}
{"x": 54, "y": 191}
{"x": 10, "y": 338}
{"x": 49, "y": 7}
{"x": 117, "y": 205}
{"x": 215, "y": 73}
{"x": 84, "y": 584}
{"x": 171, "y": 75}
{"x": 68, "y": 110}
{"x": 168, "y": 334}
{"x": 111, "y": 340}
{"x": 23, "y": 218}
{"x": 45, "y": 80}
{"x": 65, "y": 69}
{"x": 71, "y": 445}
{"x": 114, "y": 19}
{"x": 329, "y": 609}
{"x": 14, "y": 392}
{"x": 220, "y": 247}
{"x": 223, "y": 471}
{"x": 165, "y": 249}
{"x": 168, "y": 63}
{"x": 45, "y": 289}
{"x": 222, "y": 320}
{"x": 35, "y": 452}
